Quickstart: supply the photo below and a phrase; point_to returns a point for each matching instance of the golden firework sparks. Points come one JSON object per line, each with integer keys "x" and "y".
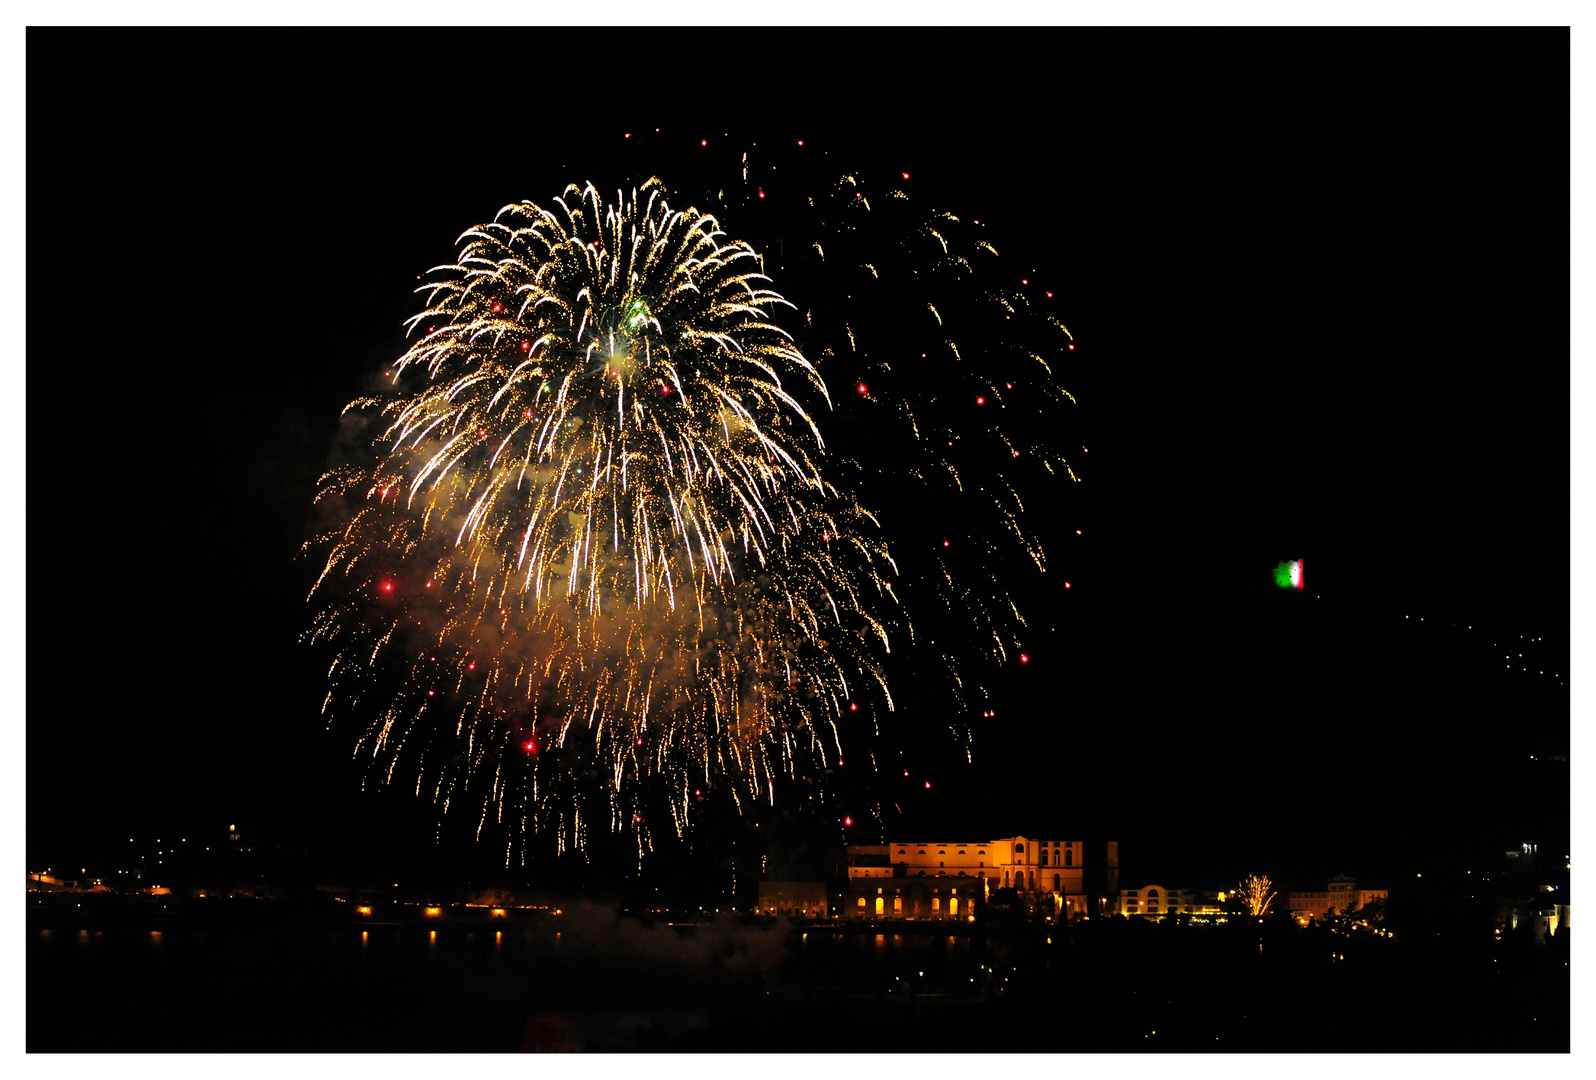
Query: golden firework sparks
{"x": 594, "y": 537}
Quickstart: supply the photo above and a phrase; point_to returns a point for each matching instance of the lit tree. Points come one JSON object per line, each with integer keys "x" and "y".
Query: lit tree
{"x": 1254, "y": 892}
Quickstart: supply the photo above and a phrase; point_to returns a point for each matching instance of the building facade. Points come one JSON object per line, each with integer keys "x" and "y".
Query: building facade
{"x": 942, "y": 880}
{"x": 806, "y": 899}
{"x": 1340, "y": 896}
{"x": 1157, "y": 900}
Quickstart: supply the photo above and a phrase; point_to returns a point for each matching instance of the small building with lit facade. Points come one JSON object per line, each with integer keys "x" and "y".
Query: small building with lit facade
{"x": 1340, "y": 896}
{"x": 806, "y": 899}
{"x": 1157, "y": 900}
{"x": 1547, "y": 914}
{"x": 942, "y": 880}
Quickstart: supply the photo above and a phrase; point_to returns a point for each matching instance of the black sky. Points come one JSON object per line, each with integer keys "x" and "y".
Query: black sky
{"x": 1320, "y": 280}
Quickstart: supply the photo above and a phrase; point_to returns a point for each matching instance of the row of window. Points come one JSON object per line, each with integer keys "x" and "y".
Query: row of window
{"x": 897, "y": 905}
{"x": 1068, "y": 858}
{"x": 1020, "y": 880}
{"x": 1068, "y": 855}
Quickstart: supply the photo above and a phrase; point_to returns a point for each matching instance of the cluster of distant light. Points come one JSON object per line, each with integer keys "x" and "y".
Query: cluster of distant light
{"x": 1511, "y": 655}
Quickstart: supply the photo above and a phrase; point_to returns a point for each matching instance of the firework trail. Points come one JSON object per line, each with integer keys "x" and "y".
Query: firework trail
{"x": 953, "y": 420}
{"x": 593, "y": 560}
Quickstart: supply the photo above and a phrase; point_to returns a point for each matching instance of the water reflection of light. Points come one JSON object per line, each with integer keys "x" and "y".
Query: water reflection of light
{"x": 432, "y": 937}
{"x": 498, "y": 938}
{"x": 155, "y": 937}
{"x": 365, "y": 938}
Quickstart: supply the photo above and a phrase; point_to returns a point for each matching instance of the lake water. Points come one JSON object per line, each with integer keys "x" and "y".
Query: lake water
{"x": 592, "y": 981}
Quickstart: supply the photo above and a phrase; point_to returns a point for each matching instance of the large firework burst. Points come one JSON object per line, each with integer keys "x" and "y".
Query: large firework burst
{"x": 594, "y": 559}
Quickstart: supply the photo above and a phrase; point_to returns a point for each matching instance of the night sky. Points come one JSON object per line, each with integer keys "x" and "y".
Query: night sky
{"x": 1319, "y": 283}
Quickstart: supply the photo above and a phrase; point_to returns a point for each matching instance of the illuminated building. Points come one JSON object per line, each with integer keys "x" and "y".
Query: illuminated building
{"x": 1340, "y": 896}
{"x": 1157, "y": 900}
{"x": 1544, "y": 917}
{"x": 805, "y": 898}
{"x": 926, "y": 880}
{"x": 1309, "y": 905}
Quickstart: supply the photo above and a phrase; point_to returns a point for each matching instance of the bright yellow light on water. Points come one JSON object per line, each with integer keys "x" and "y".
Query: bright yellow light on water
{"x": 498, "y": 912}
{"x": 363, "y": 910}
{"x": 434, "y": 911}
